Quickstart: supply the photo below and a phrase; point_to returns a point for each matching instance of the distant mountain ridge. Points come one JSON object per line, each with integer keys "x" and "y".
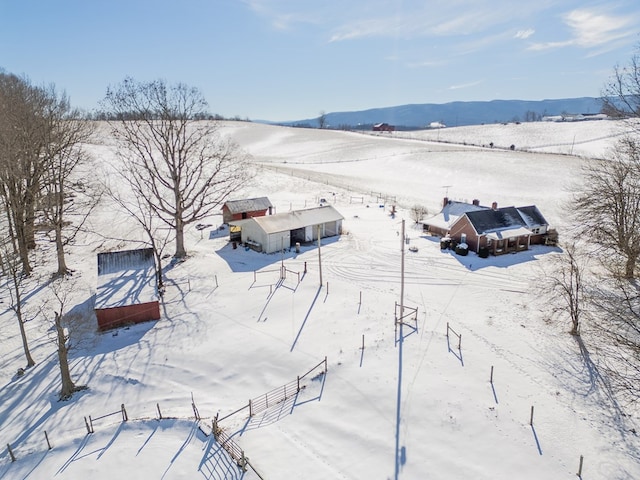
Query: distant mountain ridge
{"x": 455, "y": 113}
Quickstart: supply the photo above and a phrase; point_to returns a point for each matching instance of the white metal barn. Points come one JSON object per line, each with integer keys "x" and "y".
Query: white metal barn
{"x": 272, "y": 233}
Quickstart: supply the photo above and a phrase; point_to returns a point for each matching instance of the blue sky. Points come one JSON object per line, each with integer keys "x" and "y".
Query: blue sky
{"x": 292, "y": 59}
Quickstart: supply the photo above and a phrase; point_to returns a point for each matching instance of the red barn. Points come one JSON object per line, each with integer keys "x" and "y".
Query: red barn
{"x": 383, "y": 127}
{"x": 127, "y": 288}
{"x": 247, "y": 208}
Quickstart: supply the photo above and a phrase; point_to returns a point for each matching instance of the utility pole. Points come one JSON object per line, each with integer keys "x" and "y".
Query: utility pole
{"x": 400, "y": 340}
{"x": 319, "y": 256}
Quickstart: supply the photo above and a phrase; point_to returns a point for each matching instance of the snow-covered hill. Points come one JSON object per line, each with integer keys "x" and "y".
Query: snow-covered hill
{"x": 231, "y": 331}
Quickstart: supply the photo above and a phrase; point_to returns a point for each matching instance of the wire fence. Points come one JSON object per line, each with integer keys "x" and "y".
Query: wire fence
{"x": 256, "y": 405}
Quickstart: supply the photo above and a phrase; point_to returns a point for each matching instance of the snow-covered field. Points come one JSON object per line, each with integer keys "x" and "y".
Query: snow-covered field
{"x": 228, "y": 334}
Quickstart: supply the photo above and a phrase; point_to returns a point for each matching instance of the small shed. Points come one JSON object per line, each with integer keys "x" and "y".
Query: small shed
{"x": 246, "y": 208}
{"x": 127, "y": 288}
{"x": 283, "y": 230}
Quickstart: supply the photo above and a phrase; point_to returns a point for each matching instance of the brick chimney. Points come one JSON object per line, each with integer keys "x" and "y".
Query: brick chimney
{"x": 494, "y": 206}
{"x": 445, "y": 201}
{"x": 476, "y": 202}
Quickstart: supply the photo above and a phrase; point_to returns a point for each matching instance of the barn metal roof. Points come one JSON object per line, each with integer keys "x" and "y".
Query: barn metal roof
{"x": 282, "y": 222}
{"x": 248, "y": 205}
{"x": 126, "y": 278}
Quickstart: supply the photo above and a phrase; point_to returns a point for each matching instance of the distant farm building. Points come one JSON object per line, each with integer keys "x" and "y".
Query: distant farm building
{"x": 383, "y": 127}
{"x": 127, "y": 288}
{"x": 272, "y": 233}
{"x": 575, "y": 117}
{"x": 491, "y": 230}
{"x": 246, "y": 208}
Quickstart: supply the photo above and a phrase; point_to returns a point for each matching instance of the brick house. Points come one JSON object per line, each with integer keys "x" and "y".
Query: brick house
{"x": 492, "y": 230}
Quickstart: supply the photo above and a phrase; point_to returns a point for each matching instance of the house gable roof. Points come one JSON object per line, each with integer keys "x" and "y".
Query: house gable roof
{"x": 248, "y": 205}
{"x": 514, "y": 220}
{"x": 532, "y": 216}
{"x": 282, "y": 222}
{"x": 451, "y": 212}
{"x": 484, "y": 221}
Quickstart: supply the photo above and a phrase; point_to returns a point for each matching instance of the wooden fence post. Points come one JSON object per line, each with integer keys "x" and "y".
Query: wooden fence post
{"x": 580, "y": 467}
{"x": 13, "y": 458}
{"x": 250, "y": 409}
{"x": 298, "y": 382}
{"x": 459, "y": 342}
{"x": 491, "y": 377}
{"x": 159, "y": 412}
{"x": 125, "y": 417}
{"x": 195, "y": 409}
{"x": 447, "y": 329}
{"x": 531, "y": 419}
{"x": 47, "y": 439}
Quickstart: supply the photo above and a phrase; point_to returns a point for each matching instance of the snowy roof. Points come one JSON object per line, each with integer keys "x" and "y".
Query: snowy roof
{"x": 532, "y": 216}
{"x": 282, "y": 222}
{"x": 508, "y": 233}
{"x": 125, "y": 278}
{"x": 451, "y": 212}
{"x": 508, "y": 220}
{"x": 248, "y": 205}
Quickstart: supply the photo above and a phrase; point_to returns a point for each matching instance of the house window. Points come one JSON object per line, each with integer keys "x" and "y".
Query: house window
{"x": 536, "y": 231}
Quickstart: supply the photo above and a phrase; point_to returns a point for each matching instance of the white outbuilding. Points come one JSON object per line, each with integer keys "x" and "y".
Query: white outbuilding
{"x": 273, "y": 233}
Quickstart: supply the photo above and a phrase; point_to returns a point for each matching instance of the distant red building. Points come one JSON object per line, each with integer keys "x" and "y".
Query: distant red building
{"x": 247, "y": 208}
{"x": 383, "y": 127}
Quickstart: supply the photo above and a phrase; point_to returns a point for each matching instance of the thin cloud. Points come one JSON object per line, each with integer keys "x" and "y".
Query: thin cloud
{"x": 592, "y": 30}
{"x": 281, "y": 19}
{"x": 427, "y": 64}
{"x": 524, "y": 34}
{"x": 465, "y": 85}
{"x": 448, "y": 19}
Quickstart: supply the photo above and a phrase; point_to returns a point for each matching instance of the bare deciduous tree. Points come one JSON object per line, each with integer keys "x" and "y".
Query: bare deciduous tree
{"x": 616, "y": 304}
{"x": 64, "y": 323}
{"x": 13, "y": 278}
{"x": 64, "y": 197}
{"x": 22, "y": 142}
{"x": 566, "y": 284}
{"x": 621, "y": 94}
{"x": 608, "y": 206}
{"x": 322, "y": 120}
{"x": 142, "y": 212}
{"x": 183, "y": 168}
{"x": 418, "y": 212}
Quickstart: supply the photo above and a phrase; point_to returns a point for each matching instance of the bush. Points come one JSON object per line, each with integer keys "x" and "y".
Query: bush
{"x": 462, "y": 249}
